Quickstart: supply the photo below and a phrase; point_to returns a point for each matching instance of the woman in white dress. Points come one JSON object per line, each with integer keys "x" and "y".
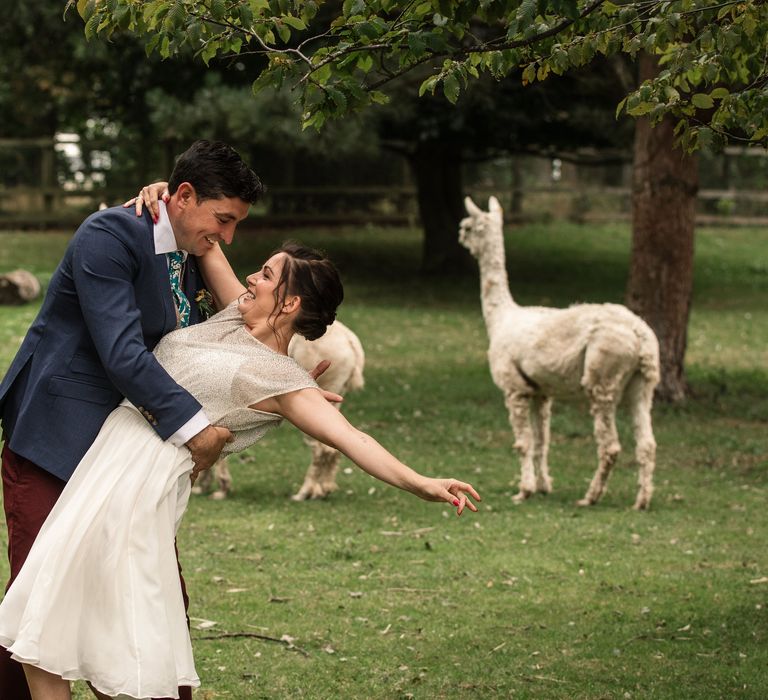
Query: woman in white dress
{"x": 99, "y": 596}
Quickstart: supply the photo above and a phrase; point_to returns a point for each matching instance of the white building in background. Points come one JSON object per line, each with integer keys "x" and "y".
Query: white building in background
{"x": 82, "y": 175}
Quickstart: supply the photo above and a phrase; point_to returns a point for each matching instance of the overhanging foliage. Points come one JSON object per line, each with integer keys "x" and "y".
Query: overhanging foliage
{"x": 341, "y": 56}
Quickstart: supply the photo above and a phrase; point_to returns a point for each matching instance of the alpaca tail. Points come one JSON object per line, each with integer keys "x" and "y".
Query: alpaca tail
{"x": 649, "y": 364}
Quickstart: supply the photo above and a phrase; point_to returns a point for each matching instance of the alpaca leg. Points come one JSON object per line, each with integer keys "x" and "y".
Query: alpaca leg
{"x": 320, "y": 479}
{"x": 518, "y": 406}
{"x": 204, "y": 481}
{"x": 224, "y": 477}
{"x": 541, "y": 414}
{"x": 608, "y": 449}
{"x": 640, "y": 396}
{"x": 327, "y": 461}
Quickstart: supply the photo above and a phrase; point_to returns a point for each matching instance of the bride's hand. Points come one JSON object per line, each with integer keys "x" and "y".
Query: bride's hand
{"x": 148, "y": 196}
{"x": 450, "y": 490}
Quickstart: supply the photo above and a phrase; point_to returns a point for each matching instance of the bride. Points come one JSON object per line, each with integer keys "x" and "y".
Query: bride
{"x": 99, "y": 597}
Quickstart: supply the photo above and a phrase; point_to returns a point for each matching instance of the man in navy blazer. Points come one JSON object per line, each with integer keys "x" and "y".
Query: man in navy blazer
{"x": 108, "y": 304}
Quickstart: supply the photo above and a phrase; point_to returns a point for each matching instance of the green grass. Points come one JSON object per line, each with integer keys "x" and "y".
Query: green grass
{"x": 389, "y": 597}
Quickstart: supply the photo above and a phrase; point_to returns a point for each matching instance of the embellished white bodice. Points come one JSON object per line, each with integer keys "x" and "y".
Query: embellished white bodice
{"x": 226, "y": 369}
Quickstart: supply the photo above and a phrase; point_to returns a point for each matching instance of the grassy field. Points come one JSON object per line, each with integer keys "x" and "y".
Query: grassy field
{"x": 374, "y": 594}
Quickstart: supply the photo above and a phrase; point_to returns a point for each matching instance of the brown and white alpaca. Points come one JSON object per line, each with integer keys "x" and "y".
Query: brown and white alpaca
{"x": 537, "y": 353}
{"x": 343, "y": 348}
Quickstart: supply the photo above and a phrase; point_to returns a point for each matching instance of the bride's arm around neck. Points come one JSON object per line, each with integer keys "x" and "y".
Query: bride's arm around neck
{"x": 220, "y": 278}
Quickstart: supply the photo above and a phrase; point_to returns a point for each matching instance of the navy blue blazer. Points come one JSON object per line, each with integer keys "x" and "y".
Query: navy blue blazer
{"x": 107, "y": 305}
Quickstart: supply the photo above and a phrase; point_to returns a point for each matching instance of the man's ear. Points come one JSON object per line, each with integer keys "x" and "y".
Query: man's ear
{"x": 186, "y": 194}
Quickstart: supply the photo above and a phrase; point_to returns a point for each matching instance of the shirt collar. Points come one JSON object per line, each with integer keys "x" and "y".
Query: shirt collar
{"x": 165, "y": 240}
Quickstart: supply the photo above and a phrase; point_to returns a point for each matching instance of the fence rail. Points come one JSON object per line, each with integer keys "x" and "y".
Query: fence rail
{"x": 52, "y": 207}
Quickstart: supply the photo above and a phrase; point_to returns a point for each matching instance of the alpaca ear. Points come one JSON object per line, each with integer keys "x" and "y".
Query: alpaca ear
{"x": 472, "y": 208}
{"x": 493, "y": 205}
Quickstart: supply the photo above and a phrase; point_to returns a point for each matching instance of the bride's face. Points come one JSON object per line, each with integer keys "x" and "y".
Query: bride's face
{"x": 258, "y": 303}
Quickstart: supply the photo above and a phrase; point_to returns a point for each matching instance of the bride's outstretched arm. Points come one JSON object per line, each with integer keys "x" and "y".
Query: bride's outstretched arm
{"x": 311, "y": 414}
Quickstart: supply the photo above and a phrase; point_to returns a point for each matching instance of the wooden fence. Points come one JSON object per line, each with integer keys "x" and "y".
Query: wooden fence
{"x": 32, "y": 196}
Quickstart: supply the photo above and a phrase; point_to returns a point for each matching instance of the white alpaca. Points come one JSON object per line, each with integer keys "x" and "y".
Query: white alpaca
{"x": 537, "y": 353}
{"x": 345, "y": 352}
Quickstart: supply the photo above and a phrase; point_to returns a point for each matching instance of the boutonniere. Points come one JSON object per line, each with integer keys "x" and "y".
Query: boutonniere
{"x": 204, "y": 301}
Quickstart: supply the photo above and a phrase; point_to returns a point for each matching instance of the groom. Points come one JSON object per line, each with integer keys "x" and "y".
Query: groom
{"x": 123, "y": 284}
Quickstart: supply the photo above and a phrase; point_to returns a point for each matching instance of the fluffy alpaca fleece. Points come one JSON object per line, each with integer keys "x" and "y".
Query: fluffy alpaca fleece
{"x": 343, "y": 348}
{"x": 537, "y": 353}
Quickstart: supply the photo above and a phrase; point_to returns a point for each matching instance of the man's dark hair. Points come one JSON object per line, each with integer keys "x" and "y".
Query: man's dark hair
{"x": 215, "y": 170}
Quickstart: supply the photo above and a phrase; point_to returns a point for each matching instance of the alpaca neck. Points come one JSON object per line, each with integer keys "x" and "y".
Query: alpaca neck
{"x": 494, "y": 287}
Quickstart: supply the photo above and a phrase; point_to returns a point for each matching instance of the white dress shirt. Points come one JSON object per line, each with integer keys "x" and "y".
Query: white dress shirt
{"x": 165, "y": 242}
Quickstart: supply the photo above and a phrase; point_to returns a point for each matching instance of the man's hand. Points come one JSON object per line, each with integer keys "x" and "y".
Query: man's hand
{"x": 329, "y": 396}
{"x": 206, "y": 447}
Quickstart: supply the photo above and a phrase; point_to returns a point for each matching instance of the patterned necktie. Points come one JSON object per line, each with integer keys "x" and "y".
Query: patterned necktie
{"x": 175, "y": 262}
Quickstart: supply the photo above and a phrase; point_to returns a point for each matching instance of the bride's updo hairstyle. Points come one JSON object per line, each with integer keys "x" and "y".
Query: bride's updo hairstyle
{"x": 309, "y": 274}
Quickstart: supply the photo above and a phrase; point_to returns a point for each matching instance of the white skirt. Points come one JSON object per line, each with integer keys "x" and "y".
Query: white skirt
{"x": 99, "y": 597}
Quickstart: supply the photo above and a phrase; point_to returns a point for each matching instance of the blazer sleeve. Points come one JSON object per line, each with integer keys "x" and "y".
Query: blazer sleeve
{"x": 106, "y": 262}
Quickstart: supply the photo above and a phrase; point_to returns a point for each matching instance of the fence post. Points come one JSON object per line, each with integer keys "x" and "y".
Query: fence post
{"x": 48, "y": 176}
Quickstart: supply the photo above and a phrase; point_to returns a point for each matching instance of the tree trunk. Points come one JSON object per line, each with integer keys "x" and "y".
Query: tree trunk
{"x": 665, "y": 184}
{"x": 437, "y": 171}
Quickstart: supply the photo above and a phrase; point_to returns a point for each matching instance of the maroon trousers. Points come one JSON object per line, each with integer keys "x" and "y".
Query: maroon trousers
{"x": 29, "y": 494}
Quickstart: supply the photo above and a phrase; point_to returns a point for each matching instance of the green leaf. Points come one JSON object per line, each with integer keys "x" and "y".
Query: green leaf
{"x": 310, "y": 11}
{"x": 152, "y": 44}
{"x": 322, "y": 74}
{"x": 365, "y": 62}
{"x": 429, "y": 85}
{"x": 640, "y": 109}
{"x": 294, "y": 22}
{"x": 702, "y": 101}
{"x": 378, "y": 97}
{"x": 264, "y": 80}
{"x": 176, "y": 16}
{"x": 85, "y": 8}
{"x": 529, "y": 74}
{"x": 719, "y": 93}
{"x": 451, "y": 88}
{"x": 283, "y": 31}
{"x": 416, "y": 44}
{"x": 218, "y": 9}
{"x": 208, "y": 52}
{"x": 338, "y": 98}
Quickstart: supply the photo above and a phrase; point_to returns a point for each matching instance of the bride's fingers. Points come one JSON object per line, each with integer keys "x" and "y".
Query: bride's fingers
{"x": 150, "y": 196}
{"x": 460, "y": 501}
{"x": 463, "y": 486}
{"x": 469, "y": 504}
{"x": 139, "y": 201}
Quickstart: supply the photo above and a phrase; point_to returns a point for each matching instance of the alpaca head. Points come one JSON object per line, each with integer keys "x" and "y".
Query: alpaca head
{"x": 480, "y": 228}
